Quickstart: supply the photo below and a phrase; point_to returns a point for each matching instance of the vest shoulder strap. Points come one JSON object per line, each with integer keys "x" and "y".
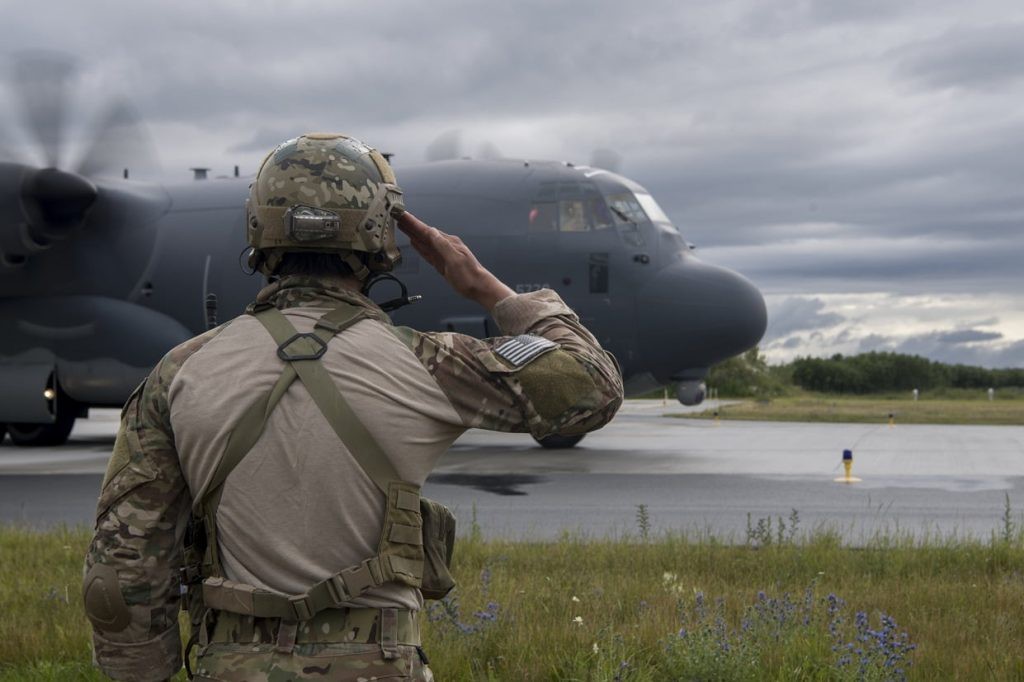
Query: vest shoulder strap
{"x": 302, "y": 354}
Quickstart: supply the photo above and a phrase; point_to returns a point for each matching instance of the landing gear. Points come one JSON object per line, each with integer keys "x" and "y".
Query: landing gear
{"x": 557, "y": 442}
{"x": 37, "y": 435}
{"x": 66, "y": 412}
{"x": 3, "y": 432}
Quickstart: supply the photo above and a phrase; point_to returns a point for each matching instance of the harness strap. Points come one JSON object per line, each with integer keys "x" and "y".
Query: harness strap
{"x": 332, "y": 592}
{"x": 250, "y": 427}
{"x": 321, "y": 387}
{"x": 241, "y": 440}
{"x": 389, "y": 633}
{"x": 301, "y": 353}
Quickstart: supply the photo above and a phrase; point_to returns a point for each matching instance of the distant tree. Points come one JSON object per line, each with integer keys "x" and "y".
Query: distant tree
{"x": 883, "y": 371}
{"x": 743, "y": 376}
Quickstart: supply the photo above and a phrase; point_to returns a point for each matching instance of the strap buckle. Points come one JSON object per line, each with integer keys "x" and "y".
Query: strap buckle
{"x": 337, "y": 590}
{"x": 301, "y": 606}
{"x": 287, "y": 356}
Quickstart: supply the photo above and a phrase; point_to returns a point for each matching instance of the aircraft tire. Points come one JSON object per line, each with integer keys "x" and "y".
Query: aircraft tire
{"x": 39, "y": 435}
{"x": 3, "y": 432}
{"x": 557, "y": 442}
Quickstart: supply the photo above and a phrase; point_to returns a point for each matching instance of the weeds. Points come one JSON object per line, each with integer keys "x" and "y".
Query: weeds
{"x": 643, "y": 521}
{"x": 1009, "y": 527}
{"x": 671, "y": 607}
{"x": 801, "y": 633}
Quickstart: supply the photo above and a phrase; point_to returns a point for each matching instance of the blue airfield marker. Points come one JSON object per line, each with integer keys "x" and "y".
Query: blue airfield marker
{"x": 848, "y": 467}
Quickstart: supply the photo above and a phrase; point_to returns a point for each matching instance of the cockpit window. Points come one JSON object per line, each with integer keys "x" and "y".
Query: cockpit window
{"x": 582, "y": 214}
{"x": 628, "y": 214}
{"x": 597, "y": 210}
{"x": 571, "y": 217}
{"x": 652, "y": 209}
{"x": 626, "y": 208}
{"x": 543, "y": 216}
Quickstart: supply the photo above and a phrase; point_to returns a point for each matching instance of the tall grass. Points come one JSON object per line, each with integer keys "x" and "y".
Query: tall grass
{"x": 786, "y": 605}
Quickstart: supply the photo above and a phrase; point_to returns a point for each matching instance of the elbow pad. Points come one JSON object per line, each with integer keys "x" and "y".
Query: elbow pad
{"x": 104, "y": 602}
{"x": 556, "y": 382}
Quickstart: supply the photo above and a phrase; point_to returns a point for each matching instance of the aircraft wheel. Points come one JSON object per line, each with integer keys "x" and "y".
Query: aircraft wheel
{"x": 37, "y": 435}
{"x": 3, "y": 432}
{"x": 557, "y": 442}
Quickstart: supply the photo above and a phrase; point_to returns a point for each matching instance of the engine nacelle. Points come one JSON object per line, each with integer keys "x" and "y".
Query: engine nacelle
{"x": 691, "y": 393}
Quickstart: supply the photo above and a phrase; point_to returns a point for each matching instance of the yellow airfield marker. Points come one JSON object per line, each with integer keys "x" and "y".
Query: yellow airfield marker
{"x": 717, "y": 420}
{"x": 892, "y": 420}
{"x": 848, "y": 467}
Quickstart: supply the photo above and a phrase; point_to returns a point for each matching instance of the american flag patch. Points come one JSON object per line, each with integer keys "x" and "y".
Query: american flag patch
{"x": 519, "y": 350}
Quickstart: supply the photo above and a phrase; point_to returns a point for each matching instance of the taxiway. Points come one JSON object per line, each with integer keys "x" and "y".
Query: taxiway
{"x": 691, "y": 476}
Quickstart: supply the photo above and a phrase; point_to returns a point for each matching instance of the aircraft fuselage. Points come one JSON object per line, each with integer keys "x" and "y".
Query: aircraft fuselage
{"x": 88, "y": 316}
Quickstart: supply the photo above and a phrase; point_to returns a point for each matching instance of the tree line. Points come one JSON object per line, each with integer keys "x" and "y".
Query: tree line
{"x": 875, "y": 372}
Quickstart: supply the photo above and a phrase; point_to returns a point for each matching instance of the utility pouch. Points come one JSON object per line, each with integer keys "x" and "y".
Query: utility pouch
{"x": 438, "y": 546}
{"x": 191, "y": 573}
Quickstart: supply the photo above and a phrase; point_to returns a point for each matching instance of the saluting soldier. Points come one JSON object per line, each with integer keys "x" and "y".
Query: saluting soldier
{"x": 269, "y": 470}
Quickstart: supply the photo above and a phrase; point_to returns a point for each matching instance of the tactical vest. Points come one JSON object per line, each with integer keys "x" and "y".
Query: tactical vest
{"x": 417, "y": 537}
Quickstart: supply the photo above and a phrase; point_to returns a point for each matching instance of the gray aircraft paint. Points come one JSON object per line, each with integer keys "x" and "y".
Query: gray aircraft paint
{"x": 99, "y": 305}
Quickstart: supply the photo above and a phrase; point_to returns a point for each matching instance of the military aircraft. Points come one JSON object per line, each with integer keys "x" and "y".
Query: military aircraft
{"x": 100, "y": 277}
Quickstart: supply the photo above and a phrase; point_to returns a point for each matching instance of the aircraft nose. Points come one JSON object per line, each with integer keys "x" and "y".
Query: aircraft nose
{"x": 692, "y": 315}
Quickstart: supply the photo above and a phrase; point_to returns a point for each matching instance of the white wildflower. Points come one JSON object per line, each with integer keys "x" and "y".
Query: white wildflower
{"x": 596, "y": 650}
{"x": 576, "y": 599}
{"x": 578, "y": 620}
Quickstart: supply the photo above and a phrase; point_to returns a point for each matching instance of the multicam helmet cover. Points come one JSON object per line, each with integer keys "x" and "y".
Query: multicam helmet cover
{"x": 324, "y": 192}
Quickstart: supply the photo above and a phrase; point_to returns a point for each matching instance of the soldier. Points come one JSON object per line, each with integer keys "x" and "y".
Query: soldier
{"x": 270, "y": 468}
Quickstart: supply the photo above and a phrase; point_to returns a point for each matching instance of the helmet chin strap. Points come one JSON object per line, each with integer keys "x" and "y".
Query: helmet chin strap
{"x": 394, "y": 303}
{"x": 359, "y": 268}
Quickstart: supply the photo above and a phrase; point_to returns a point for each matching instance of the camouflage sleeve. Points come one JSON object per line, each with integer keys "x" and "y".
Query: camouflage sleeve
{"x": 570, "y": 386}
{"x": 131, "y": 586}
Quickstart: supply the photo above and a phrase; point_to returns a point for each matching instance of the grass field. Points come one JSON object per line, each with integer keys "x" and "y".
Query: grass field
{"x": 784, "y": 606}
{"x": 811, "y": 407}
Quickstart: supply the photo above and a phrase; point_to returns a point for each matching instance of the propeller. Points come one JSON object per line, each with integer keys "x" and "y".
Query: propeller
{"x": 39, "y": 206}
{"x": 448, "y": 146}
{"x": 608, "y": 159}
{"x": 41, "y": 86}
{"x": 445, "y": 146}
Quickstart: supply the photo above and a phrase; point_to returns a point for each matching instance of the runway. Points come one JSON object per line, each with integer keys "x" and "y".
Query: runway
{"x": 691, "y": 476}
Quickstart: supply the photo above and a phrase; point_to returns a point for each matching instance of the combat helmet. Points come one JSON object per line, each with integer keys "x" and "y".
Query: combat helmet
{"x": 326, "y": 193}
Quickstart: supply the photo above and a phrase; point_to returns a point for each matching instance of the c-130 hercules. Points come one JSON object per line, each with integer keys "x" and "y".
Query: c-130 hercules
{"x": 99, "y": 278}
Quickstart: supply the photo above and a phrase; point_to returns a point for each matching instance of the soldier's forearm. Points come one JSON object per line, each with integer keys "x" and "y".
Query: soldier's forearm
{"x": 492, "y": 292}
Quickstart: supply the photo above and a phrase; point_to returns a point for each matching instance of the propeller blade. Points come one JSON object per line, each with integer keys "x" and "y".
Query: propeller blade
{"x": 608, "y": 159}
{"x": 119, "y": 141}
{"x": 489, "y": 150}
{"x": 41, "y": 86}
{"x": 445, "y": 146}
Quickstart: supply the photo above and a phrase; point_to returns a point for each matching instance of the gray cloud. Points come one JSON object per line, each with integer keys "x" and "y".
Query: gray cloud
{"x": 952, "y": 347}
{"x": 961, "y": 336}
{"x": 969, "y": 58}
{"x": 817, "y": 146}
{"x": 265, "y": 139}
{"x": 898, "y": 265}
{"x": 795, "y": 314}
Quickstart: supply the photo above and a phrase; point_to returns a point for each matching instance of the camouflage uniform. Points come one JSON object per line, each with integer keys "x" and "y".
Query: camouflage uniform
{"x": 173, "y": 424}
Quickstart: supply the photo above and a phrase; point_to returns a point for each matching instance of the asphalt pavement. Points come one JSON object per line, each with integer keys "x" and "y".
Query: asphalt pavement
{"x": 692, "y": 476}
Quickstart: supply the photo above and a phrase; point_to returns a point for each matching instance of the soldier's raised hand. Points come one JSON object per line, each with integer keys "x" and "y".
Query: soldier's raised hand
{"x": 454, "y": 261}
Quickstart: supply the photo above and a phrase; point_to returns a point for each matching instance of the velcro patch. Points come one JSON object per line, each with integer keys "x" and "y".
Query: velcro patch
{"x": 519, "y": 350}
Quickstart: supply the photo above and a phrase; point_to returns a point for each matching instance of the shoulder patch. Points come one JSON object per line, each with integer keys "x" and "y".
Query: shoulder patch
{"x": 521, "y": 349}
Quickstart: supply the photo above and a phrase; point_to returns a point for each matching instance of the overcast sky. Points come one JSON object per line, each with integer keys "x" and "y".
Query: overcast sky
{"x": 861, "y": 161}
